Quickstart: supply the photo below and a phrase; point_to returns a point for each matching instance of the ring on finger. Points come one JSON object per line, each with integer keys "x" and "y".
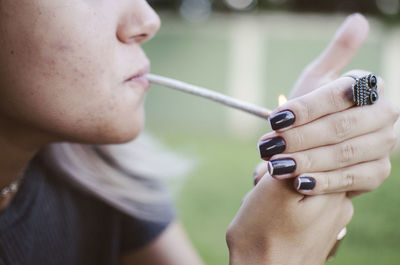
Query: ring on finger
{"x": 365, "y": 89}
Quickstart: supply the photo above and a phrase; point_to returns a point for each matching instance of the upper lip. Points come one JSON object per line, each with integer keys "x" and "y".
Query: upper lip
{"x": 143, "y": 71}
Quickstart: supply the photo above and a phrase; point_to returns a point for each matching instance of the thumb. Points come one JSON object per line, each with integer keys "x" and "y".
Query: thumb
{"x": 344, "y": 46}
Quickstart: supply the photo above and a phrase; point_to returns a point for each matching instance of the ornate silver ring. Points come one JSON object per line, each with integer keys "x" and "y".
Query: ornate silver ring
{"x": 365, "y": 89}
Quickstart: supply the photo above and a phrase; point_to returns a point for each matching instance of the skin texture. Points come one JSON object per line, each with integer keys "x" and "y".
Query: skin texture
{"x": 307, "y": 226}
{"x": 332, "y": 141}
{"x": 63, "y": 59}
{"x": 61, "y": 81}
{"x": 277, "y": 225}
{"x": 63, "y": 67}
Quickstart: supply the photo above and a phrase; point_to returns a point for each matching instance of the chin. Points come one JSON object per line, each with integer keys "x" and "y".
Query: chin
{"x": 113, "y": 131}
{"x": 126, "y": 133}
{"x": 126, "y": 136}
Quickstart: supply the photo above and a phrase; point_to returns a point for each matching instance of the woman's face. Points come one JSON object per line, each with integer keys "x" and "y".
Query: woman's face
{"x": 73, "y": 69}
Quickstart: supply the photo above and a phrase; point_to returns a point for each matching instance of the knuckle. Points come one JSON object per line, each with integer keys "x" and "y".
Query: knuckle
{"x": 346, "y": 154}
{"x": 306, "y": 161}
{"x": 342, "y": 181}
{"x": 305, "y": 109}
{"x": 348, "y": 180}
{"x": 328, "y": 184}
{"x": 296, "y": 138}
{"x": 343, "y": 126}
{"x": 335, "y": 96}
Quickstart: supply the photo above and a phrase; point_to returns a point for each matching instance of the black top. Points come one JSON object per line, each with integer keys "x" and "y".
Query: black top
{"x": 50, "y": 221}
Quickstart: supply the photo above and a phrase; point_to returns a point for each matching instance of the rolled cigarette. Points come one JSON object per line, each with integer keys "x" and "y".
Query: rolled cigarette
{"x": 209, "y": 94}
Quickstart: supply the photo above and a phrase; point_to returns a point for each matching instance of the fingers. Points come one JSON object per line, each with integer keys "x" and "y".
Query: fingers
{"x": 361, "y": 178}
{"x": 330, "y": 98}
{"x": 357, "y": 150}
{"x": 336, "y": 128}
{"x": 344, "y": 46}
{"x": 354, "y": 180}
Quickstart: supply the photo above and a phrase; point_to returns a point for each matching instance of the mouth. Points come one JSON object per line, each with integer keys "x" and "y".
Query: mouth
{"x": 139, "y": 78}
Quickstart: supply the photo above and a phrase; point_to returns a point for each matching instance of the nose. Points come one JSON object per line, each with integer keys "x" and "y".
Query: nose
{"x": 138, "y": 23}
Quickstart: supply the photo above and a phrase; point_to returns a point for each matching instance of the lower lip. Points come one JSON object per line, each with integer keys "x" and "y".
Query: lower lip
{"x": 139, "y": 81}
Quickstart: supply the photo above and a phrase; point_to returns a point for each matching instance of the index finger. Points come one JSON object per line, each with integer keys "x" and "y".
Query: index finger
{"x": 330, "y": 98}
{"x": 333, "y": 97}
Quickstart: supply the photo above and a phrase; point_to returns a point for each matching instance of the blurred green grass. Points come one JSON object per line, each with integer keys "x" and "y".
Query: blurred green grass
{"x": 211, "y": 195}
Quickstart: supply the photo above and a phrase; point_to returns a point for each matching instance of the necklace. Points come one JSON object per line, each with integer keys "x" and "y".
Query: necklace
{"x": 12, "y": 188}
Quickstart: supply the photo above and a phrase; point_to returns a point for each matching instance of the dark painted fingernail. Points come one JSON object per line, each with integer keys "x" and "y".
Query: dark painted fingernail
{"x": 305, "y": 183}
{"x": 272, "y": 146}
{"x": 281, "y": 166}
{"x": 282, "y": 120}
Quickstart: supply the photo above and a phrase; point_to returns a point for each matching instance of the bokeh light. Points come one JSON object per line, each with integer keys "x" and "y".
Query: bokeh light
{"x": 388, "y": 7}
{"x": 241, "y": 4}
{"x": 195, "y": 10}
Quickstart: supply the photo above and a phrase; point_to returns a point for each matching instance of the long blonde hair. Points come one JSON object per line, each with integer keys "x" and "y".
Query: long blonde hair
{"x": 127, "y": 176}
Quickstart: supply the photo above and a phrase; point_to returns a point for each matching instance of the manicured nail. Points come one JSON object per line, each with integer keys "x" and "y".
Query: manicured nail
{"x": 282, "y": 120}
{"x": 305, "y": 183}
{"x": 271, "y": 147}
{"x": 281, "y": 166}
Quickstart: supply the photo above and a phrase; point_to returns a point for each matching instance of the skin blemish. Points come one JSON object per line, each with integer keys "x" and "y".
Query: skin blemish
{"x": 80, "y": 73}
{"x": 62, "y": 47}
{"x": 63, "y": 73}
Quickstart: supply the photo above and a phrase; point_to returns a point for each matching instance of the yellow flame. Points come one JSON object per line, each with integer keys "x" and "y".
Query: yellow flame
{"x": 282, "y": 99}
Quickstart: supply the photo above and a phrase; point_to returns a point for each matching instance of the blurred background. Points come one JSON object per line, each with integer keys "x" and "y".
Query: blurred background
{"x": 255, "y": 50}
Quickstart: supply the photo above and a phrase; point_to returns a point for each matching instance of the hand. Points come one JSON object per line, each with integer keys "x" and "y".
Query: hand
{"x": 333, "y": 147}
{"x": 339, "y": 147}
{"x": 276, "y": 225}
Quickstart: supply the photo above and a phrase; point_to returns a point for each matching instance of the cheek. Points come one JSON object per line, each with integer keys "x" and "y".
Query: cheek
{"x": 69, "y": 91}
{"x": 85, "y": 106}
{"x": 65, "y": 81}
